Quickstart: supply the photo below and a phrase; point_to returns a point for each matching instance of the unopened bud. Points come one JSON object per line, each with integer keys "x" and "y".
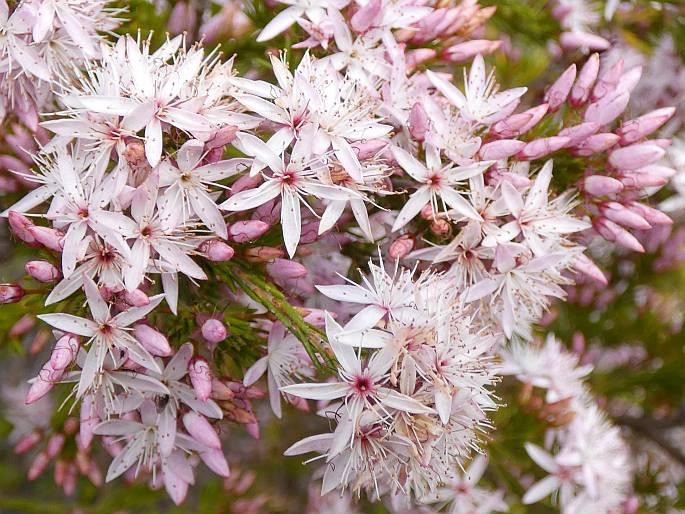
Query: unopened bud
{"x": 42, "y": 271}
{"x": 214, "y": 331}
{"x": 201, "y": 377}
{"x": 217, "y": 251}
{"x": 247, "y": 230}
{"x": 11, "y": 293}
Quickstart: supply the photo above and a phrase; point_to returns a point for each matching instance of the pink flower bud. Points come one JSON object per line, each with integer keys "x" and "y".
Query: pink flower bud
{"x": 262, "y": 254}
{"x": 619, "y": 214}
{"x": 511, "y": 126}
{"x": 136, "y": 298}
{"x": 635, "y": 156}
{"x": 64, "y": 352}
{"x": 440, "y": 226}
{"x": 638, "y": 181}
{"x": 599, "y": 185}
{"x": 201, "y": 430}
{"x": 418, "y": 56}
{"x": 596, "y": 144}
{"x": 541, "y": 147}
{"x": 558, "y": 93}
{"x": 365, "y": 17}
{"x": 608, "y": 108}
{"x": 630, "y": 79}
{"x": 89, "y": 419}
{"x": 42, "y": 271}
{"x": 246, "y": 182}
{"x": 579, "y": 133}
{"x": 21, "y": 226}
{"x": 418, "y": 122}
{"x": 222, "y": 137}
{"x": 221, "y": 391}
{"x": 48, "y": 237}
{"x": 500, "y": 149}
{"x": 39, "y": 464}
{"x": 152, "y": 340}
{"x": 285, "y": 269}
{"x": 55, "y": 444}
{"x": 580, "y": 93}
{"x": 464, "y": 52}
{"x": 28, "y": 442}
{"x": 368, "y": 148}
{"x": 401, "y": 247}
{"x": 578, "y": 343}
{"x": 634, "y": 130}
{"x": 652, "y": 215}
{"x": 10, "y": 293}
{"x": 613, "y": 232}
{"x": 536, "y": 114}
{"x": 201, "y": 376}
{"x": 23, "y": 325}
{"x": 575, "y": 40}
{"x": 249, "y": 230}
{"x": 214, "y": 331}
{"x": 182, "y": 18}
{"x": 217, "y": 251}
{"x": 43, "y": 383}
{"x": 608, "y": 80}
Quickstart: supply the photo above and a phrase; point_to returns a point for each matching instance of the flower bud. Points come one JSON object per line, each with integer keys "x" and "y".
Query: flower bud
{"x": 608, "y": 108}
{"x": 500, "y": 149}
{"x": 39, "y": 464}
{"x": 152, "y": 340}
{"x": 28, "y": 442}
{"x": 638, "y": 181}
{"x": 440, "y": 226}
{"x": 42, "y": 271}
{"x": 55, "y": 444}
{"x": 21, "y": 226}
{"x": 258, "y": 254}
{"x": 136, "y": 298}
{"x": 558, "y": 93}
{"x": 368, "y": 148}
{"x": 246, "y": 182}
{"x": 182, "y": 18}
{"x": 285, "y": 269}
{"x": 366, "y": 16}
{"x": 541, "y": 147}
{"x": 651, "y": 215}
{"x": 634, "y": 130}
{"x": 599, "y": 185}
{"x": 419, "y": 56}
{"x": 613, "y": 232}
{"x": 10, "y": 293}
{"x": 43, "y": 383}
{"x": 619, "y": 214}
{"x": 635, "y": 156}
{"x": 216, "y": 461}
{"x": 574, "y": 40}
{"x": 401, "y": 247}
{"x": 596, "y": 144}
{"x": 217, "y": 251}
{"x": 64, "y": 352}
{"x": 608, "y": 80}
{"x": 580, "y": 93}
{"x": 201, "y": 430}
{"x": 630, "y": 79}
{"x": 214, "y": 331}
{"x": 249, "y": 230}
{"x": 464, "y": 52}
{"x": 536, "y": 114}
{"x": 201, "y": 377}
{"x": 48, "y": 237}
{"x": 418, "y": 122}
{"x": 222, "y": 137}
{"x": 22, "y": 325}
{"x": 579, "y": 133}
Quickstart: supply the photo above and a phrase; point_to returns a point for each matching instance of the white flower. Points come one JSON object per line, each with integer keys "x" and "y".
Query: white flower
{"x": 437, "y": 181}
{"x": 315, "y": 10}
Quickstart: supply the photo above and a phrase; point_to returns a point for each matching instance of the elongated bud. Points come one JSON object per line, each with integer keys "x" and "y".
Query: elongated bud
{"x": 599, "y": 185}
{"x": 21, "y": 227}
{"x": 217, "y": 251}
{"x": 652, "y": 215}
{"x": 635, "y": 156}
{"x": 23, "y": 325}
{"x": 248, "y": 230}
{"x": 216, "y": 461}
{"x": 596, "y": 144}
{"x": 500, "y": 149}
{"x": 630, "y": 79}
{"x": 542, "y": 147}
{"x": 136, "y": 298}
{"x": 200, "y": 377}
{"x": 152, "y": 340}
{"x": 401, "y": 247}
{"x": 42, "y": 271}
{"x": 48, "y": 237}
{"x": 579, "y": 133}
{"x": 258, "y": 254}
{"x": 222, "y": 137}
{"x": 619, "y": 214}
{"x": 464, "y": 52}
{"x": 633, "y": 180}
{"x": 10, "y": 293}
{"x": 64, "y": 352}
{"x": 558, "y": 93}
{"x": 608, "y": 80}
{"x": 536, "y": 114}
{"x": 43, "y": 383}
{"x": 55, "y": 444}
{"x": 220, "y": 391}
{"x": 419, "y": 56}
{"x": 574, "y": 40}
{"x": 418, "y": 122}
{"x": 634, "y": 130}
{"x": 608, "y": 108}
{"x": 580, "y": 93}
{"x": 39, "y": 464}
{"x": 201, "y": 430}
{"x": 88, "y": 420}
{"x": 511, "y": 126}
{"x": 285, "y": 269}
{"x": 246, "y": 182}
{"x": 182, "y": 18}
{"x": 28, "y": 442}
{"x": 368, "y": 148}
{"x": 214, "y": 331}
{"x": 613, "y": 232}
